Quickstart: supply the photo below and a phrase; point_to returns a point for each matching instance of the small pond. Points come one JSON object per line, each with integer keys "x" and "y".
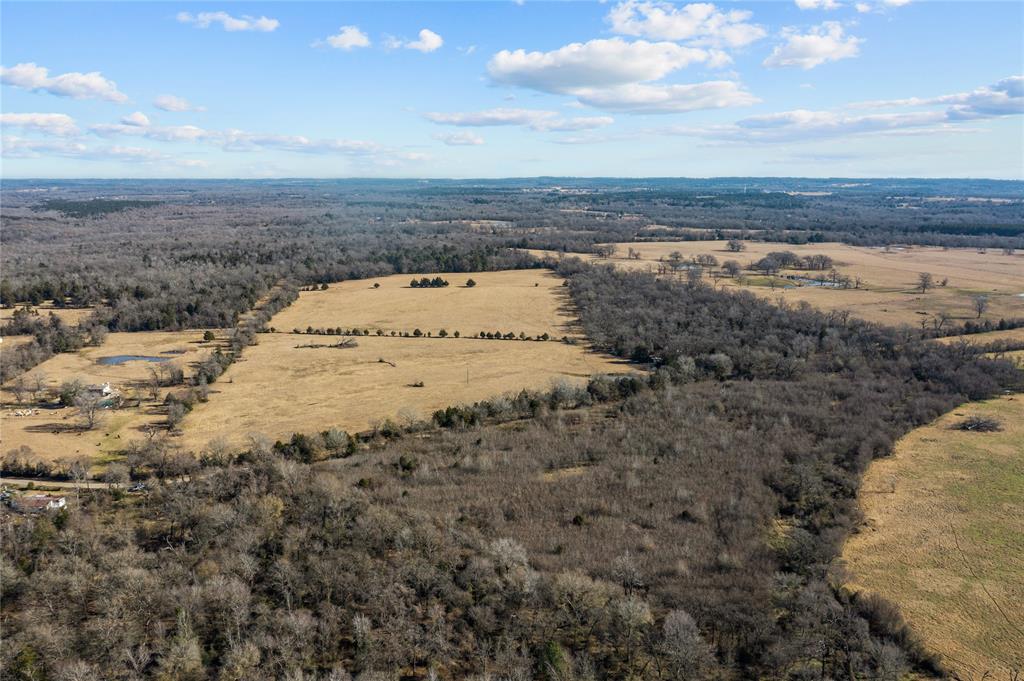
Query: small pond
{"x": 121, "y": 359}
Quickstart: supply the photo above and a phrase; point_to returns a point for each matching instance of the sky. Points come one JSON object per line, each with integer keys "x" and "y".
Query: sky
{"x": 631, "y": 88}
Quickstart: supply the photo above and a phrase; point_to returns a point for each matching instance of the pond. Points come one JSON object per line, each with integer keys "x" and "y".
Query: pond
{"x": 121, "y": 359}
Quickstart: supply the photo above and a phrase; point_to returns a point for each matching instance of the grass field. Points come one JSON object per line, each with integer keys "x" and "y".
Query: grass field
{"x": 69, "y": 315}
{"x": 944, "y": 538}
{"x": 888, "y": 292}
{"x": 52, "y": 433}
{"x": 278, "y": 389}
{"x": 528, "y": 301}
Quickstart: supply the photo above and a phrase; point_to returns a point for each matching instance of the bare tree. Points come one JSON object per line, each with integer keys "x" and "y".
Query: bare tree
{"x": 89, "y": 404}
{"x": 980, "y": 304}
{"x": 37, "y": 384}
{"x": 925, "y": 281}
{"x": 19, "y": 387}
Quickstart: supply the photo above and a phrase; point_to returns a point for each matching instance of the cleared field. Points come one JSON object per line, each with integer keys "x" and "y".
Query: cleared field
{"x": 278, "y": 389}
{"x": 528, "y": 301}
{"x": 52, "y": 432}
{"x": 945, "y": 538}
{"x": 985, "y": 338}
{"x": 69, "y": 315}
{"x": 888, "y": 293}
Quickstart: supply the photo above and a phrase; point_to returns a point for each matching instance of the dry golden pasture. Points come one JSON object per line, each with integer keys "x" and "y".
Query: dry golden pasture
{"x": 278, "y": 389}
{"x": 52, "y": 433}
{"x": 944, "y": 538}
{"x": 69, "y": 315}
{"x": 528, "y": 301}
{"x": 888, "y": 294}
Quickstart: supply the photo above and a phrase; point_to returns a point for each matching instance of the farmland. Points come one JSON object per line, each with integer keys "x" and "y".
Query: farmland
{"x": 945, "y": 537}
{"x": 887, "y": 292}
{"x": 53, "y": 432}
{"x": 280, "y": 387}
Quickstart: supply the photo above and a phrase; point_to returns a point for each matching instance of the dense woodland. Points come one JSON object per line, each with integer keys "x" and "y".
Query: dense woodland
{"x": 680, "y": 523}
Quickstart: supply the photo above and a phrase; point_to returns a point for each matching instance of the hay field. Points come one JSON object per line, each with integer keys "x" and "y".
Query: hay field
{"x": 278, "y": 389}
{"x": 52, "y": 433}
{"x": 945, "y": 537}
{"x": 528, "y": 301}
{"x": 888, "y": 294}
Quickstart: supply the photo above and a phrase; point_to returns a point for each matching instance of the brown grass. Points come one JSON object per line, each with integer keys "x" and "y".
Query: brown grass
{"x": 890, "y": 278}
{"x": 69, "y": 315}
{"x": 51, "y": 433}
{"x": 944, "y": 538}
{"x": 278, "y": 389}
{"x": 530, "y": 301}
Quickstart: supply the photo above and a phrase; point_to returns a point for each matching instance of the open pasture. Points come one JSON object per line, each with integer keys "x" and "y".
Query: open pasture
{"x": 888, "y": 292}
{"x": 54, "y": 433}
{"x": 278, "y": 388}
{"x": 69, "y": 315}
{"x": 528, "y": 301}
{"x": 944, "y": 537}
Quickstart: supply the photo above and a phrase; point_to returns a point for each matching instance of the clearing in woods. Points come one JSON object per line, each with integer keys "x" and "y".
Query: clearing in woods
{"x": 888, "y": 294}
{"x": 278, "y": 388}
{"x": 53, "y": 432}
{"x": 944, "y": 537}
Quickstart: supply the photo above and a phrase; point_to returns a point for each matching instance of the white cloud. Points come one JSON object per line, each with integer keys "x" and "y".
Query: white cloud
{"x": 616, "y": 75}
{"x": 818, "y": 4}
{"x": 428, "y": 42}
{"x": 176, "y": 104}
{"x": 16, "y": 147}
{"x": 594, "y": 64}
{"x": 863, "y": 7}
{"x": 76, "y": 85}
{"x": 535, "y": 119}
{"x": 347, "y": 38}
{"x": 459, "y": 139}
{"x": 58, "y": 124}
{"x": 700, "y": 23}
{"x": 228, "y": 22}
{"x": 138, "y": 119}
{"x": 643, "y": 98}
{"x": 1001, "y": 99}
{"x": 821, "y": 44}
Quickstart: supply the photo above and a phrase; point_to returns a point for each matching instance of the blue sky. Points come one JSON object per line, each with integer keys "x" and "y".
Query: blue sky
{"x": 499, "y": 89}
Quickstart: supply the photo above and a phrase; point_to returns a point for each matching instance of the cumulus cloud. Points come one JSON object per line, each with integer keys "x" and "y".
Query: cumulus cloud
{"x": 820, "y": 44}
{"x": 700, "y": 23}
{"x": 593, "y": 64}
{"x": 347, "y": 38}
{"x": 92, "y": 85}
{"x": 138, "y": 118}
{"x": 176, "y": 104}
{"x": 535, "y": 119}
{"x": 818, "y": 4}
{"x": 228, "y": 22}
{"x": 428, "y": 42}
{"x": 459, "y": 139}
{"x": 57, "y": 124}
{"x": 616, "y": 75}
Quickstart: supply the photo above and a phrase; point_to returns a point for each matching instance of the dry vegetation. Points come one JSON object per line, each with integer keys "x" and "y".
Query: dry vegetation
{"x": 528, "y": 301}
{"x": 54, "y": 433}
{"x": 945, "y": 537}
{"x": 888, "y": 293}
{"x": 278, "y": 388}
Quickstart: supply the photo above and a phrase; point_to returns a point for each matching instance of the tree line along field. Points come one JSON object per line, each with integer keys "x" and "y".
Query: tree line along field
{"x": 888, "y": 292}
{"x": 281, "y": 387}
{"x": 944, "y": 537}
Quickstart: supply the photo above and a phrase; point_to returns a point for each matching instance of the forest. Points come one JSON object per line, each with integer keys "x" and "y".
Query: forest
{"x": 679, "y": 522}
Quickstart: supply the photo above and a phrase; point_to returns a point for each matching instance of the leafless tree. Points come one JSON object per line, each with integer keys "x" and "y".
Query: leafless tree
{"x": 980, "y": 303}
{"x": 925, "y": 281}
{"x": 89, "y": 404}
